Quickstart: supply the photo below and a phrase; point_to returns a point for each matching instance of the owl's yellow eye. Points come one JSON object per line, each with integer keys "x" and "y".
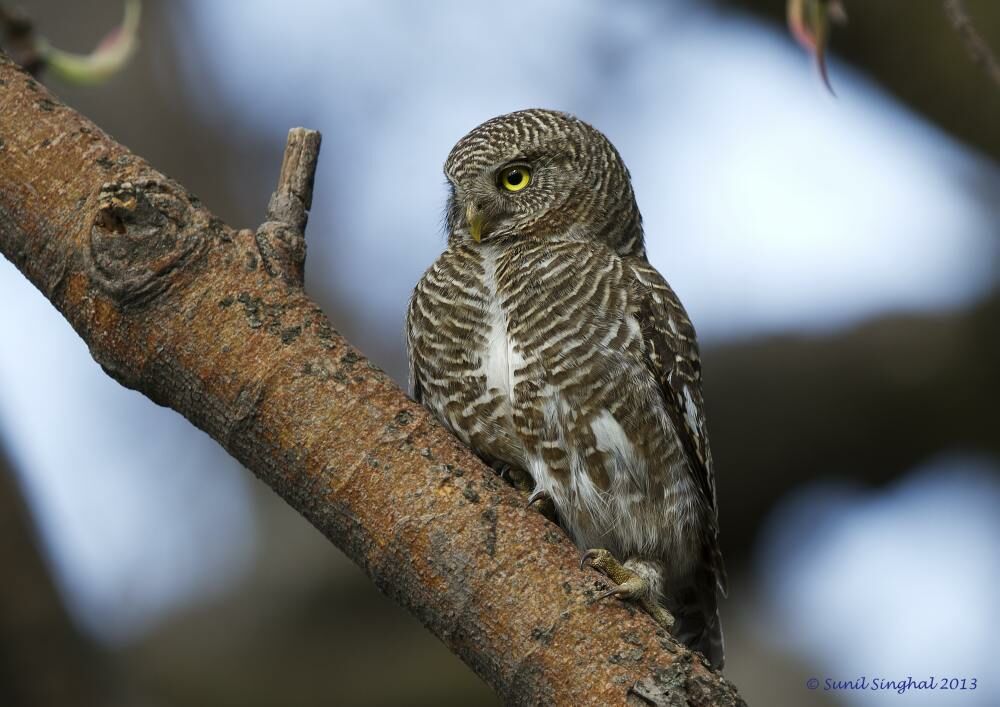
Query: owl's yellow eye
{"x": 515, "y": 178}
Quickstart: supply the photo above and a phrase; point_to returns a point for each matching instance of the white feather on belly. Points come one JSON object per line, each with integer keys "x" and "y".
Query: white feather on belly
{"x": 500, "y": 360}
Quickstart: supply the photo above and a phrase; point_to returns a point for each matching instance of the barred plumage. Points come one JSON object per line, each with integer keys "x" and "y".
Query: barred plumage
{"x": 545, "y": 341}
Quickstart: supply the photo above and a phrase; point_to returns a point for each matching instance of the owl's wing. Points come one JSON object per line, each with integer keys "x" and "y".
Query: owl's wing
{"x": 673, "y": 356}
{"x": 416, "y": 389}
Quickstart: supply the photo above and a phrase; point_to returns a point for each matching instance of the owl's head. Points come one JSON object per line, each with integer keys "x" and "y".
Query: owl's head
{"x": 541, "y": 174}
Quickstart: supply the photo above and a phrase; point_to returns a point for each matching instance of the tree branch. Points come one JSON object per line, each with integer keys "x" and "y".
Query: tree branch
{"x": 281, "y": 239}
{"x": 177, "y": 305}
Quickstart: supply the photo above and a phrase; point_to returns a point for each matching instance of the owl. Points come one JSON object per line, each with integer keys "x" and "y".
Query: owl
{"x": 543, "y": 338}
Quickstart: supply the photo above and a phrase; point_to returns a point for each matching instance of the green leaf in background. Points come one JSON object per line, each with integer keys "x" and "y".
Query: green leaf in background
{"x": 109, "y": 57}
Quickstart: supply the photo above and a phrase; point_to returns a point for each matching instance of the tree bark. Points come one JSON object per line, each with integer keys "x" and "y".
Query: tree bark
{"x": 213, "y": 322}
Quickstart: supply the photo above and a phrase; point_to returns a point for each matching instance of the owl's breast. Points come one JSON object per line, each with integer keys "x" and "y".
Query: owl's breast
{"x": 585, "y": 405}
{"x": 499, "y": 356}
{"x": 461, "y": 356}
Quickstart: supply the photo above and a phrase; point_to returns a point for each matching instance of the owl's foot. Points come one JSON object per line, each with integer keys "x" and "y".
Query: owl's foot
{"x": 522, "y": 481}
{"x": 541, "y": 501}
{"x": 629, "y": 585}
{"x": 518, "y": 478}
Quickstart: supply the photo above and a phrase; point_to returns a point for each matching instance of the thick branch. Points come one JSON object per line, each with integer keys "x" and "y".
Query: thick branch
{"x": 179, "y": 306}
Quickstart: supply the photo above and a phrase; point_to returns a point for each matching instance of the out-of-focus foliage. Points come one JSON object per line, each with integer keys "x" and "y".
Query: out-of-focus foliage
{"x": 810, "y": 22}
{"x": 914, "y": 51}
{"x": 110, "y": 56}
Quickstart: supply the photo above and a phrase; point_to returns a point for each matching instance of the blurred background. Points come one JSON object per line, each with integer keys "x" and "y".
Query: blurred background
{"x": 838, "y": 255}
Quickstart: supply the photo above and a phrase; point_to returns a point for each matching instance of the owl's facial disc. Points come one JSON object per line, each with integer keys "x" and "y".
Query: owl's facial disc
{"x": 487, "y": 203}
{"x": 491, "y": 202}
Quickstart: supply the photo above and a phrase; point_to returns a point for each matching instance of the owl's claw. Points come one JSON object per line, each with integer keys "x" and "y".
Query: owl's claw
{"x": 502, "y": 470}
{"x": 539, "y": 494}
{"x": 518, "y": 478}
{"x": 543, "y": 503}
{"x": 633, "y": 588}
{"x": 629, "y": 586}
{"x": 522, "y": 481}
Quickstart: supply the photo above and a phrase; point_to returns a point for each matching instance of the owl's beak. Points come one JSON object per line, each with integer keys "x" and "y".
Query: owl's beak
{"x": 475, "y": 219}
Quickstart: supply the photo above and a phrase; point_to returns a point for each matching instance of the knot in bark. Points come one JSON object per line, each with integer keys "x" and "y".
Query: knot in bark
{"x": 143, "y": 232}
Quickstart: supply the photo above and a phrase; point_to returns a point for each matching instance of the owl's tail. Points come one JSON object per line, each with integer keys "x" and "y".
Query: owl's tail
{"x": 697, "y": 615}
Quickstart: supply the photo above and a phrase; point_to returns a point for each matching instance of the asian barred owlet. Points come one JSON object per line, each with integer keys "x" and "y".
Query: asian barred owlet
{"x": 544, "y": 339}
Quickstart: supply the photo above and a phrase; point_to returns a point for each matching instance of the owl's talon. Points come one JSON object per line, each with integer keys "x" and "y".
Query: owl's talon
{"x": 541, "y": 501}
{"x": 519, "y": 479}
{"x": 634, "y": 588}
{"x": 539, "y": 494}
{"x": 629, "y": 586}
{"x": 601, "y": 560}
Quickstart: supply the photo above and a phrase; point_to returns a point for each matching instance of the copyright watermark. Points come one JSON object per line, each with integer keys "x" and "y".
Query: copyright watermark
{"x": 897, "y": 685}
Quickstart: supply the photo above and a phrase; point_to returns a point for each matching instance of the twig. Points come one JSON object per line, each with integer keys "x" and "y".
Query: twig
{"x": 281, "y": 238}
{"x": 977, "y": 47}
